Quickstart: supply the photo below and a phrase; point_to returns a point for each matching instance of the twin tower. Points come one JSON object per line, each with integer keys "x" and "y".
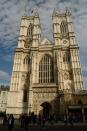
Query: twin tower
{"x": 43, "y": 70}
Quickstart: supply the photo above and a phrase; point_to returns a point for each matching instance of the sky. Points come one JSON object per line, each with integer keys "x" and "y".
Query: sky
{"x": 11, "y": 12}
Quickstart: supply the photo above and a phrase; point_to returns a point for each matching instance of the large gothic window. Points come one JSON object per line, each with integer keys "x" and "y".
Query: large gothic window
{"x": 64, "y": 28}
{"x": 46, "y": 74}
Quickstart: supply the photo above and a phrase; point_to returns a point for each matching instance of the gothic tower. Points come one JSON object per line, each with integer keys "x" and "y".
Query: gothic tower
{"x": 67, "y": 53}
{"x": 20, "y": 89}
{"x": 42, "y": 69}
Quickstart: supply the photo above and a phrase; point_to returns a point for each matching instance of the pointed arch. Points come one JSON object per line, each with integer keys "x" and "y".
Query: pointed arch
{"x": 46, "y": 72}
{"x": 26, "y": 60}
{"x": 64, "y": 28}
{"x": 30, "y": 30}
{"x": 66, "y": 57}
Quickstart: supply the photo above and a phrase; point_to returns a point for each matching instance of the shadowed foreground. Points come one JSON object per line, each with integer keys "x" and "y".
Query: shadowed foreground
{"x": 48, "y": 128}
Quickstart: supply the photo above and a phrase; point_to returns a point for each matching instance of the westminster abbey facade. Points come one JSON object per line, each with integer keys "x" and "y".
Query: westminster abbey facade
{"x": 46, "y": 74}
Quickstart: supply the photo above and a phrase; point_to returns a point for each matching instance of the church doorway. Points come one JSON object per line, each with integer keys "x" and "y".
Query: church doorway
{"x": 46, "y": 109}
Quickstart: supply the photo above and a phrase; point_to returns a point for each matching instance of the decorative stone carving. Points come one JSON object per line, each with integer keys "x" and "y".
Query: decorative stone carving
{"x": 23, "y": 77}
{"x": 68, "y": 85}
{"x": 26, "y": 45}
{"x": 78, "y": 71}
{"x": 44, "y": 90}
{"x": 65, "y": 42}
{"x": 67, "y": 75}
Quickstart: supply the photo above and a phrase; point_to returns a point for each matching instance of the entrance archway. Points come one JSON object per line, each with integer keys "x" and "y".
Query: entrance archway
{"x": 46, "y": 109}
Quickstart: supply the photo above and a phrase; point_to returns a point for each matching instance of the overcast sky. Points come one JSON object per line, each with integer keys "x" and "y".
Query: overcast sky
{"x": 11, "y": 12}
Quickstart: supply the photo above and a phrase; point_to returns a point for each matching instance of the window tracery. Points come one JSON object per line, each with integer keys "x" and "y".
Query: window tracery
{"x": 26, "y": 60}
{"x": 66, "y": 57}
{"x": 30, "y": 31}
{"x": 46, "y": 74}
{"x": 64, "y": 28}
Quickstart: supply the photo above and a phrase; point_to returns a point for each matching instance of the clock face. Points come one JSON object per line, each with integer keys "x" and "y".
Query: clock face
{"x": 65, "y": 42}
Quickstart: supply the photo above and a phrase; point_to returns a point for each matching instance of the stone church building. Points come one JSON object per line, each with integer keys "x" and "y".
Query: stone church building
{"x": 46, "y": 76}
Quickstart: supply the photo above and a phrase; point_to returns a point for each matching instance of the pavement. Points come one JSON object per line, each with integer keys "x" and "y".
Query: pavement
{"x": 47, "y": 128}
{"x": 59, "y": 126}
{"x": 59, "y": 123}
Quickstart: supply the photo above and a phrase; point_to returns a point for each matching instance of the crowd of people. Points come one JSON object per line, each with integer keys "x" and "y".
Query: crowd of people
{"x": 25, "y": 120}
{"x": 8, "y": 120}
{"x": 40, "y": 120}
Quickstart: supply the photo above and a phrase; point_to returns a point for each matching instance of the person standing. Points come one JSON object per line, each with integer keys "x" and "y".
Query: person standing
{"x": 65, "y": 119}
{"x": 10, "y": 122}
{"x": 43, "y": 121}
{"x": 70, "y": 119}
{"x": 26, "y": 122}
{"x": 4, "y": 120}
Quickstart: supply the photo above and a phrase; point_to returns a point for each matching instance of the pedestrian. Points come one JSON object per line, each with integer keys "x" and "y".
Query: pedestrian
{"x": 4, "y": 120}
{"x": 26, "y": 122}
{"x": 65, "y": 119}
{"x": 39, "y": 120}
{"x": 43, "y": 121}
{"x": 70, "y": 119}
{"x": 21, "y": 120}
{"x": 10, "y": 122}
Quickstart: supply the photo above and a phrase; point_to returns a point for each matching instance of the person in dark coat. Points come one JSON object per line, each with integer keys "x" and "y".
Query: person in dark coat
{"x": 21, "y": 120}
{"x": 10, "y": 122}
{"x": 4, "y": 120}
{"x": 26, "y": 122}
{"x": 70, "y": 119}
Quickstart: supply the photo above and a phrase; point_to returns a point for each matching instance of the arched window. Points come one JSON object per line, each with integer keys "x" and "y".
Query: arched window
{"x": 66, "y": 57}
{"x": 30, "y": 30}
{"x": 46, "y": 74}
{"x": 26, "y": 60}
{"x": 64, "y": 28}
{"x": 25, "y": 95}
